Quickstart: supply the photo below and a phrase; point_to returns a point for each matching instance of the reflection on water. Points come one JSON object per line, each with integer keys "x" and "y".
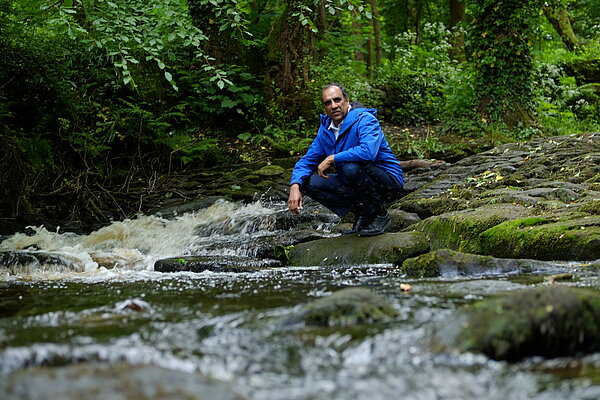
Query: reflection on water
{"x": 228, "y": 327}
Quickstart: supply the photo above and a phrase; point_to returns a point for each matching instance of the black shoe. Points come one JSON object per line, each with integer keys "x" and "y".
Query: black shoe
{"x": 359, "y": 223}
{"x": 379, "y": 225}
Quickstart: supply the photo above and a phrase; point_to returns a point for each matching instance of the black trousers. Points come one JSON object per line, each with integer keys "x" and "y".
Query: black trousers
{"x": 362, "y": 188}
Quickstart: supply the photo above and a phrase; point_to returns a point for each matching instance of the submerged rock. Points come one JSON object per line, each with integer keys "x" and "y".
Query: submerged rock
{"x": 551, "y": 321}
{"x": 24, "y": 261}
{"x": 389, "y": 248}
{"x": 449, "y": 263}
{"x": 214, "y": 263}
{"x": 345, "y": 307}
{"x": 115, "y": 382}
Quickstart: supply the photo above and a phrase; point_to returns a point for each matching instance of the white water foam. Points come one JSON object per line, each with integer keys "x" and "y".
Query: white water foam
{"x": 135, "y": 244}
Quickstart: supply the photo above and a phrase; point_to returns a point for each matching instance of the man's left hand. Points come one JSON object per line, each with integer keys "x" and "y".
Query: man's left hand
{"x": 325, "y": 165}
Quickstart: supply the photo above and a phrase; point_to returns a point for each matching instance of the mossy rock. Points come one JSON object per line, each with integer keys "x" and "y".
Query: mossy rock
{"x": 460, "y": 230}
{"x": 346, "y": 307}
{"x": 591, "y": 207}
{"x": 270, "y": 171}
{"x": 243, "y": 193}
{"x": 449, "y": 263}
{"x": 240, "y": 173}
{"x": 214, "y": 263}
{"x": 573, "y": 237}
{"x": 389, "y": 248}
{"x": 550, "y": 321}
{"x": 426, "y": 207}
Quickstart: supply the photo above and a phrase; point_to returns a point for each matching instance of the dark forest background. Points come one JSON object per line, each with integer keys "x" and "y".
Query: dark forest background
{"x": 99, "y": 95}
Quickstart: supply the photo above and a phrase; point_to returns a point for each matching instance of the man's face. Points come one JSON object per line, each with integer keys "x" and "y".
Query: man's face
{"x": 336, "y": 106}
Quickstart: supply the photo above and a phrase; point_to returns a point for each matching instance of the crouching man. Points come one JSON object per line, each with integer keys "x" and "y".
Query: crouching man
{"x": 367, "y": 173}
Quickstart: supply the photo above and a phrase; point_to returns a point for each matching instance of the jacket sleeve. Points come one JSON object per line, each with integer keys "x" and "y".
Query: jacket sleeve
{"x": 370, "y": 137}
{"x": 309, "y": 162}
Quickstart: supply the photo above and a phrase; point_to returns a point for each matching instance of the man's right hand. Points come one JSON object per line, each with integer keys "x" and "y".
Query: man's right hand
{"x": 295, "y": 199}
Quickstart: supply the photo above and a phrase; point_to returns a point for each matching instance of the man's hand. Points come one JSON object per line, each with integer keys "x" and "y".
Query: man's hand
{"x": 295, "y": 199}
{"x": 325, "y": 165}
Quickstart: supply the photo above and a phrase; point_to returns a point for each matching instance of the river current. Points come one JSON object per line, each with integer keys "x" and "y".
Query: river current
{"x": 105, "y": 304}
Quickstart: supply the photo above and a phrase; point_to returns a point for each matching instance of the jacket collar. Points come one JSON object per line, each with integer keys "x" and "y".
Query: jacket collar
{"x": 350, "y": 119}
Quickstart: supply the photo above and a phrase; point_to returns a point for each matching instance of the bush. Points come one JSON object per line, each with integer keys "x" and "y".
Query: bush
{"x": 415, "y": 78}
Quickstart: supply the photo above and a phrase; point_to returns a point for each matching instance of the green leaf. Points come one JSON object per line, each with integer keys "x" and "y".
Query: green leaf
{"x": 228, "y": 103}
{"x": 168, "y": 76}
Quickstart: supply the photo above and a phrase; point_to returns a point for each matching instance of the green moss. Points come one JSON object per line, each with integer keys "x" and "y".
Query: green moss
{"x": 423, "y": 266}
{"x": 573, "y": 237}
{"x": 460, "y": 230}
{"x": 591, "y": 207}
{"x": 522, "y": 222}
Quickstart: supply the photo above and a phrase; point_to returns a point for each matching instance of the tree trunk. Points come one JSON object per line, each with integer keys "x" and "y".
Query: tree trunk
{"x": 457, "y": 17}
{"x": 289, "y": 58}
{"x": 377, "y": 45}
{"x": 559, "y": 18}
{"x": 503, "y": 65}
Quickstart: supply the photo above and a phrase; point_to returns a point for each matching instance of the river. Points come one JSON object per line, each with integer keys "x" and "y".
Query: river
{"x": 104, "y": 304}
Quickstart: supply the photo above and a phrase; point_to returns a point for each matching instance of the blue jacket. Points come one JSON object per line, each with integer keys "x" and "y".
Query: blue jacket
{"x": 360, "y": 140}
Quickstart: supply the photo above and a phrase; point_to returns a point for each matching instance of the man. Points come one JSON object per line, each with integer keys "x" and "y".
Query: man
{"x": 367, "y": 173}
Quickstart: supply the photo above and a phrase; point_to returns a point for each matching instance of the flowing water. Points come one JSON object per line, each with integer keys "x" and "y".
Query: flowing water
{"x": 102, "y": 302}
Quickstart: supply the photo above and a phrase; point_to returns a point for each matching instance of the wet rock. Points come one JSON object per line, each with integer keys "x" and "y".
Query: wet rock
{"x": 215, "y": 264}
{"x": 460, "y": 230}
{"x": 270, "y": 171}
{"x": 550, "y": 321}
{"x": 570, "y": 237}
{"x": 448, "y": 263}
{"x": 115, "y": 382}
{"x": 591, "y": 207}
{"x": 22, "y": 261}
{"x": 402, "y": 219}
{"x": 426, "y": 207}
{"x": 389, "y": 248}
{"x": 346, "y": 307}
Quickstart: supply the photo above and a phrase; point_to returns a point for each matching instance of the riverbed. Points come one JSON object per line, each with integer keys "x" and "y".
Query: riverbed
{"x": 105, "y": 305}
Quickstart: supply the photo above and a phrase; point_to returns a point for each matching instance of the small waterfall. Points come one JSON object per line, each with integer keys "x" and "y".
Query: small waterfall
{"x": 224, "y": 229}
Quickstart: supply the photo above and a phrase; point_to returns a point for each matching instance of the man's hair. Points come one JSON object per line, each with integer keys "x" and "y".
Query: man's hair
{"x": 337, "y": 85}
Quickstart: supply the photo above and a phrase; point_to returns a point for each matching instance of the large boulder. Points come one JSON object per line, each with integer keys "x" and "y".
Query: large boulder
{"x": 346, "y": 307}
{"x": 215, "y": 264}
{"x": 550, "y": 321}
{"x": 25, "y": 261}
{"x": 460, "y": 230}
{"x": 571, "y": 237}
{"x": 448, "y": 263}
{"x": 389, "y": 248}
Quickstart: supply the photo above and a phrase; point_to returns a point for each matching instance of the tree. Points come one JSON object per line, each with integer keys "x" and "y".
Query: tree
{"x": 457, "y": 19}
{"x": 290, "y": 56}
{"x": 500, "y": 37}
{"x": 557, "y": 14}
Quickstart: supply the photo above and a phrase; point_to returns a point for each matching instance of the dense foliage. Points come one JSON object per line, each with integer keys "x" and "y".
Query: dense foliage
{"x": 99, "y": 93}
